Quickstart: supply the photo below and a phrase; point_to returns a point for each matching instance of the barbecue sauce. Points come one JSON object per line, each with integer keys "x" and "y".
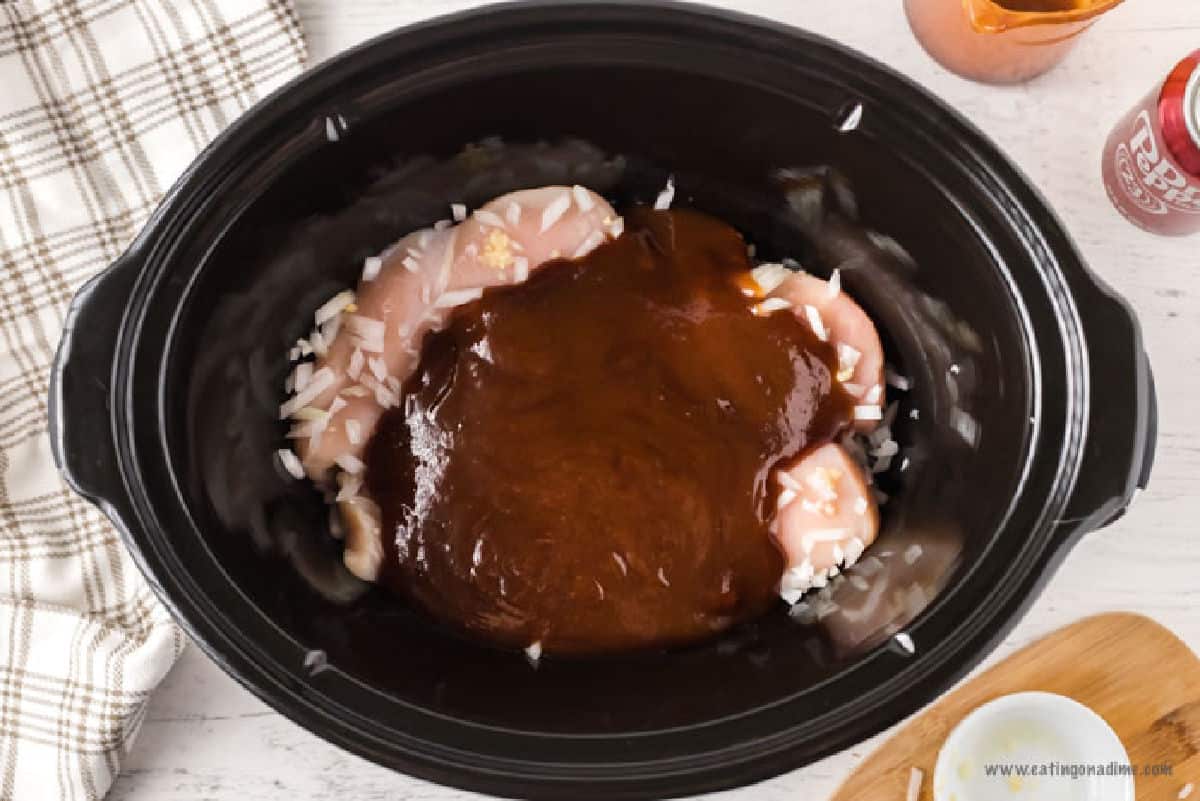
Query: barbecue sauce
{"x": 585, "y": 460}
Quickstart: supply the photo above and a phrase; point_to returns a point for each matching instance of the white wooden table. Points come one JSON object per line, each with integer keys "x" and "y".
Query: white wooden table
{"x": 207, "y": 738}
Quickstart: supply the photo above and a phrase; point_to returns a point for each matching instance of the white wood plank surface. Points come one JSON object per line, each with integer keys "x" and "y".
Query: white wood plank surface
{"x": 207, "y": 738}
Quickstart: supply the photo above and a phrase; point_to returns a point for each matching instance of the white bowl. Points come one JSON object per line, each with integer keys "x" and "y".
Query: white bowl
{"x": 1052, "y": 734}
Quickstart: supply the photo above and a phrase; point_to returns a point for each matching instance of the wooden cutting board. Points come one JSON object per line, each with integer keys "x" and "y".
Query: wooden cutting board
{"x": 1136, "y": 674}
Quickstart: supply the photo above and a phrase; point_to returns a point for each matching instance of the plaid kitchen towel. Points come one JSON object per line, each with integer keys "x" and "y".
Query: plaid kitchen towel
{"x": 102, "y": 104}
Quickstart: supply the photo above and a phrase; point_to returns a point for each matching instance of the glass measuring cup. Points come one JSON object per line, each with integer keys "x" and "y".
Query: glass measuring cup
{"x": 1001, "y": 41}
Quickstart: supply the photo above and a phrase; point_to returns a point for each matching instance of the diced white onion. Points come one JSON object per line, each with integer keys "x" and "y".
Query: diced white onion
{"x": 367, "y": 345}
{"x": 796, "y": 581}
{"x": 371, "y": 267}
{"x": 302, "y": 375}
{"x": 319, "y": 346}
{"x": 896, "y": 380}
{"x": 368, "y": 332}
{"x": 787, "y": 482}
{"x": 366, "y": 327}
{"x": 302, "y": 431}
{"x": 854, "y": 550}
{"x": 888, "y": 447}
{"x": 771, "y": 305}
{"x": 966, "y": 426}
{"x": 815, "y": 535}
{"x": 489, "y": 218}
{"x": 815, "y": 322}
{"x": 383, "y": 396}
{"x": 769, "y": 276}
{"x": 554, "y": 211}
{"x": 868, "y": 412}
{"x": 350, "y": 485}
{"x": 666, "y": 196}
{"x": 449, "y": 300}
{"x": 321, "y": 380}
{"x": 594, "y": 240}
{"x": 835, "y": 283}
{"x": 520, "y": 269}
{"x": 290, "y": 462}
{"x": 333, "y": 307}
{"x": 356, "y": 364}
{"x": 848, "y": 358}
{"x": 329, "y": 331}
{"x": 350, "y": 463}
{"x": 583, "y": 198}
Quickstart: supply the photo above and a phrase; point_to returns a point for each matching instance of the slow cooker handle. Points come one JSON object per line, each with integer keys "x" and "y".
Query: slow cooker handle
{"x": 1123, "y": 421}
{"x": 81, "y": 382}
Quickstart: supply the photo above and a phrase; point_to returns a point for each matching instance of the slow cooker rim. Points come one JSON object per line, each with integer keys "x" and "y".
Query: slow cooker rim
{"x": 129, "y": 458}
{"x": 589, "y": 5}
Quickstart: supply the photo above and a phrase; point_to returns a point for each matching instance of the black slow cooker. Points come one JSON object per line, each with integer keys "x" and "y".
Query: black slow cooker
{"x": 1028, "y": 417}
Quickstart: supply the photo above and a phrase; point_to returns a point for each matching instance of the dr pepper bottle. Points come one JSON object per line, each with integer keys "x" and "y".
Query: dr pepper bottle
{"x": 1152, "y": 159}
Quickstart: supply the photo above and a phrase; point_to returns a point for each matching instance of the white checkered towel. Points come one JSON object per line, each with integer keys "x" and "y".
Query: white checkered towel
{"x": 102, "y": 105}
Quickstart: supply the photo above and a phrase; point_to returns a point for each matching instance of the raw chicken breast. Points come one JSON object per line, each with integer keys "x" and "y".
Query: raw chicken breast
{"x": 827, "y": 517}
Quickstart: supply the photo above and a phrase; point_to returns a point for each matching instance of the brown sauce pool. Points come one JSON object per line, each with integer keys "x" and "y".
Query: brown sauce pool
{"x": 583, "y": 460}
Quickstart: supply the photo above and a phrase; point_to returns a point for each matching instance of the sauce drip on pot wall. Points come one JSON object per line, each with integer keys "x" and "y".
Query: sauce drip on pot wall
{"x": 583, "y": 460}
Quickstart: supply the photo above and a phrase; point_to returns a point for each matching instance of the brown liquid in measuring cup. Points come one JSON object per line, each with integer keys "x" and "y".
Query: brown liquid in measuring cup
{"x": 1042, "y": 5}
{"x": 1002, "y": 41}
{"x": 583, "y": 460}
